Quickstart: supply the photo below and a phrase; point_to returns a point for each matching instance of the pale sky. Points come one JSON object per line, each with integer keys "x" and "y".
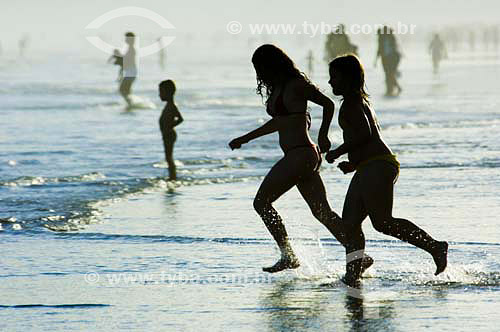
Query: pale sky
{"x": 62, "y": 20}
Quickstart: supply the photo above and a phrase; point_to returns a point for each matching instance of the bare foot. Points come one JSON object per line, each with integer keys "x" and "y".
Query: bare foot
{"x": 440, "y": 257}
{"x": 366, "y": 263}
{"x": 282, "y": 264}
{"x": 350, "y": 280}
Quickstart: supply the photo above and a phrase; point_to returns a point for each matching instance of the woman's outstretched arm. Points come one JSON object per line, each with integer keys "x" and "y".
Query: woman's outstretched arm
{"x": 267, "y": 128}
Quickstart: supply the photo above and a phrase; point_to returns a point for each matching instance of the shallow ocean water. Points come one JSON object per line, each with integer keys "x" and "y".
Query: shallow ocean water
{"x": 93, "y": 237}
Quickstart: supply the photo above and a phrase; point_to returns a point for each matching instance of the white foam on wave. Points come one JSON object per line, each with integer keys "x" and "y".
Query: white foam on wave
{"x": 40, "y": 180}
{"x": 141, "y": 102}
{"x": 163, "y": 164}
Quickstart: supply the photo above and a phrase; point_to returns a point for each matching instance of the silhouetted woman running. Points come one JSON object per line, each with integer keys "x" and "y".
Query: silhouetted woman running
{"x": 287, "y": 92}
{"x": 370, "y": 192}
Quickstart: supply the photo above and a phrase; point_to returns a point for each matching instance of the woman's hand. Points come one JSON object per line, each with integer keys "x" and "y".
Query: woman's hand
{"x": 237, "y": 143}
{"x": 346, "y": 167}
{"x": 324, "y": 143}
{"x": 331, "y": 156}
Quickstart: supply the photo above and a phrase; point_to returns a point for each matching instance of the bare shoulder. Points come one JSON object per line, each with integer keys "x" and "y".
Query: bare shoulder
{"x": 294, "y": 85}
{"x": 352, "y": 109}
{"x": 302, "y": 89}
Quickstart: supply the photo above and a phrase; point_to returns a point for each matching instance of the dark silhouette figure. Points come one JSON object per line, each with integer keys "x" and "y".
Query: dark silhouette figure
{"x": 170, "y": 118}
{"x": 486, "y": 38}
{"x": 338, "y": 43}
{"x": 161, "y": 54}
{"x": 310, "y": 63}
{"x": 494, "y": 37}
{"x": 129, "y": 68}
{"x": 370, "y": 192}
{"x": 472, "y": 40}
{"x": 388, "y": 51}
{"x": 23, "y": 45}
{"x": 287, "y": 92}
{"x": 117, "y": 59}
{"x": 437, "y": 49}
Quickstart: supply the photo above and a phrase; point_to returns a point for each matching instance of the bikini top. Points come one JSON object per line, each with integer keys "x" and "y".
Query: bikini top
{"x": 281, "y": 110}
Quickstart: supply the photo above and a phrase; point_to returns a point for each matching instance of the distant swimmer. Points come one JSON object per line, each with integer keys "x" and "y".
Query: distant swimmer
{"x": 472, "y": 40}
{"x": 287, "y": 92}
{"x": 161, "y": 53}
{"x": 117, "y": 59}
{"x": 371, "y": 189}
{"x": 310, "y": 63}
{"x": 170, "y": 118}
{"x": 494, "y": 36}
{"x": 338, "y": 43}
{"x": 390, "y": 54}
{"x": 23, "y": 45}
{"x": 129, "y": 68}
{"x": 437, "y": 49}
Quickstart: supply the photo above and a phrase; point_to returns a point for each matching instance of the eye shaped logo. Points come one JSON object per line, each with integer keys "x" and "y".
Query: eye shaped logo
{"x": 130, "y": 11}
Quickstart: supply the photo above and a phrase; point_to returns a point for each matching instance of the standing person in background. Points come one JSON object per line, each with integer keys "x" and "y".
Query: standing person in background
{"x": 310, "y": 63}
{"x": 388, "y": 51}
{"x": 129, "y": 68}
{"x": 486, "y": 38}
{"x": 494, "y": 37}
{"x": 338, "y": 43}
{"x": 161, "y": 54}
{"x": 170, "y": 118}
{"x": 23, "y": 44}
{"x": 472, "y": 40}
{"x": 437, "y": 49}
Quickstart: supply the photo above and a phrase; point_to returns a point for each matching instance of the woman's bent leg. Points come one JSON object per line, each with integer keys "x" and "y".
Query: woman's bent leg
{"x": 283, "y": 176}
{"x": 378, "y": 194}
{"x": 313, "y": 191}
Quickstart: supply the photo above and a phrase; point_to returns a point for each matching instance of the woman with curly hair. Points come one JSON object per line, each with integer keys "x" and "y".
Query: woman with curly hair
{"x": 287, "y": 91}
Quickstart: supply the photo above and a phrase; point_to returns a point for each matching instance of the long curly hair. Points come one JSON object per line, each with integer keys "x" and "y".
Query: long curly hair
{"x": 270, "y": 62}
{"x": 350, "y": 67}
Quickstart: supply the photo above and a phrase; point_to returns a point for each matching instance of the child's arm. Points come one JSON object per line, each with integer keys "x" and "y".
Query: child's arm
{"x": 347, "y": 167}
{"x": 178, "y": 119}
{"x": 120, "y": 74}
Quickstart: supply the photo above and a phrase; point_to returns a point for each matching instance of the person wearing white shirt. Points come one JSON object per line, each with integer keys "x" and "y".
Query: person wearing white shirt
{"x": 129, "y": 67}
